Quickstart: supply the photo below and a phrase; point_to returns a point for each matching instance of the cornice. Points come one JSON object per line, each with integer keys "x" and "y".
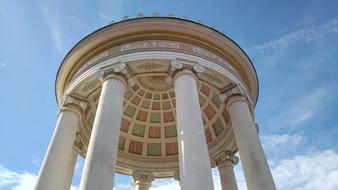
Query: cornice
{"x": 202, "y": 35}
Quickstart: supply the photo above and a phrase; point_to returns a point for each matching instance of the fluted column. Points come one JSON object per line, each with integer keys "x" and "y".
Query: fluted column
{"x": 255, "y": 165}
{"x": 100, "y": 163}
{"x": 142, "y": 181}
{"x": 58, "y": 166}
{"x": 194, "y": 162}
{"x": 225, "y": 164}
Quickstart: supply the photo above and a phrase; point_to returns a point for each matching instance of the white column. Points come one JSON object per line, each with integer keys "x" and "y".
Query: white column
{"x": 101, "y": 156}
{"x": 142, "y": 181}
{"x": 71, "y": 167}
{"x": 255, "y": 165}
{"x": 194, "y": 162}
{"x": 58, "y": 166}
{"x": 225, "y": 165}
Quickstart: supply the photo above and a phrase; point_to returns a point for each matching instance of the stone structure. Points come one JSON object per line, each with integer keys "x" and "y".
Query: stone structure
{"x": 155, "y": 97}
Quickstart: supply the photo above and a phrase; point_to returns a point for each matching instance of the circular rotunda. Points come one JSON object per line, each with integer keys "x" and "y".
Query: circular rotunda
{"x": 155, "y": 97}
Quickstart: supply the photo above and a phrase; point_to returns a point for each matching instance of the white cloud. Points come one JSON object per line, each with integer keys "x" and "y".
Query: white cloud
{"x": 273, "y": 141}
{"x": 165, "y": 184}
{"x": 318, "y": 170}
{"x": 307, "y": 107}
{"x": 3, "y": 11}
{"x": 110, "y": 10}
{"x": 298, "y": 37}
{"x": 303, "y": 106}
{"x": 11, "y": 180}
{"x": 37, "y": 162}
{"x": 51, "y": 16}
{"x": 68, "y": 24}
{"x": 16, "y": 181}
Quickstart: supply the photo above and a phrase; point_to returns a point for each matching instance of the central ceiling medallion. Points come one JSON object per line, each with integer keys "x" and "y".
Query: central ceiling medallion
{"x": 155, "y": 83}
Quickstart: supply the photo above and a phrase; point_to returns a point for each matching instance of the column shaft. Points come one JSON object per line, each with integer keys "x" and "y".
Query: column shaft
{"x": 255, "y": 165}
{"x": 141, "y": 181}
{"x": 142, "y": 186}
{"x": 58, "y": 166}
{"x": 71, "y": 167}
{"x": 194, "y": 162}
{"x": 101, "y": 156}
{"x": 227, "y": 175}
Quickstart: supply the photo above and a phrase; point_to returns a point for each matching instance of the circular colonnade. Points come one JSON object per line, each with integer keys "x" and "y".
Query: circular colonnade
{"x": 156, "y": 97}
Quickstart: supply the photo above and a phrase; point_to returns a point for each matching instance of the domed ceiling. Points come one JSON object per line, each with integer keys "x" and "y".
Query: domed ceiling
{"x": 148, "y": 128}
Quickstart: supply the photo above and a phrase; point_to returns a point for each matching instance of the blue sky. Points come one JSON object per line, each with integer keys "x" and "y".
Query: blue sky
{"x": 293, "y": 45}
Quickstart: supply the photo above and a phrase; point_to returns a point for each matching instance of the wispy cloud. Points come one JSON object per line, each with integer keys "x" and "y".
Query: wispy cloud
{"x": 110, "y": 10}
{"x": 15, "y": 180}
{"x": 165, "y": 184}
{"x": 298, "y": 37}
{"x": 299, "y": 106}
{"x": 3, "y": 11}
{"x": 318, "y": 170}
{"x": 18, "y": 180}
{"x": 271, "y": 142}
{"x": 306, "y": 107}
{"x": 68, "y": 24}
{"x": 51, "y": 16}
{"x": 277, "y": 146}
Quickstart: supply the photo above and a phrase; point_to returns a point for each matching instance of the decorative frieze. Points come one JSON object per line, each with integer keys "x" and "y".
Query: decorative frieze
{"x": 150, "y": 44}
{"x": 207, "y": 53}
{"x": 149, "y": 66}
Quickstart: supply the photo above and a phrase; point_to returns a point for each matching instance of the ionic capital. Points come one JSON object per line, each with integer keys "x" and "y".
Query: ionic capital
{"x": 73, "y": 104}
{"x": 226, "y": 158}
{"x": 234, "y": 93}
{"x": 119, "y": 72}
{"x": 142, "y": 178}
{"x": 177, "y": 69}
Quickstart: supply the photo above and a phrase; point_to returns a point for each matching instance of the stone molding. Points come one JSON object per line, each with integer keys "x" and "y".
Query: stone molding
{"x": 96, "y": 70}
{"x": 165, "y": 45}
